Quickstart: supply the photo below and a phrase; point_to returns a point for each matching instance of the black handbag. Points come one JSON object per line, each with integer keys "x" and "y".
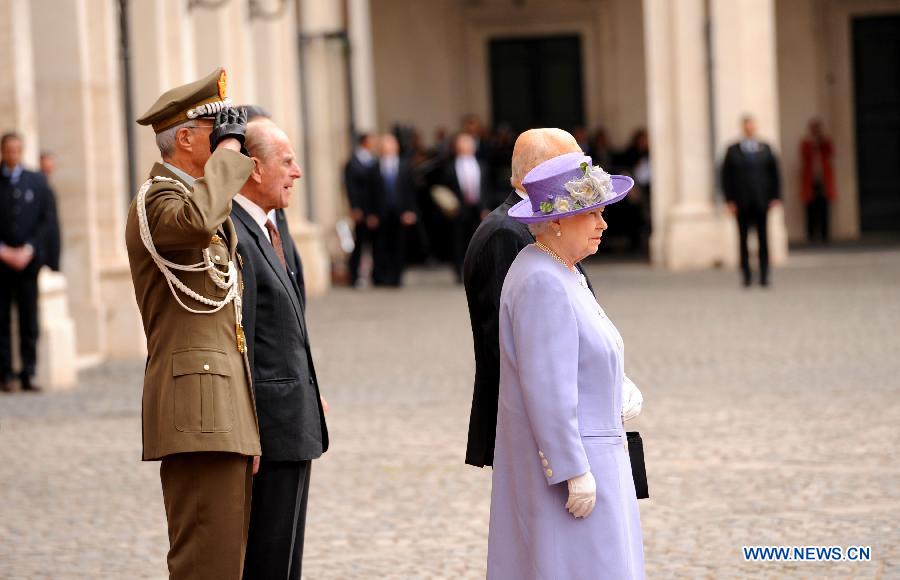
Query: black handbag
{"x": 638, "y": 470}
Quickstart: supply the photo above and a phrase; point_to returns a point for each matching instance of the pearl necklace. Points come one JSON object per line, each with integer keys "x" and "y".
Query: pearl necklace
{"x": 546, "y": 249}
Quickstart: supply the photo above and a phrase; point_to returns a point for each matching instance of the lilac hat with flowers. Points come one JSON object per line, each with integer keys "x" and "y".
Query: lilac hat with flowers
{"x": 567, "y": 185}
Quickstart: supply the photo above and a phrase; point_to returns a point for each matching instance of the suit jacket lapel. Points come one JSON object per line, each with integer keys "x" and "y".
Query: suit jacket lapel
{"x": 268, "y": 251}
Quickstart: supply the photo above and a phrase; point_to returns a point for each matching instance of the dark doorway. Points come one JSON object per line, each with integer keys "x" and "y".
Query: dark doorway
{"x": 536, "y": 82}
{"x": 876, "y": 62}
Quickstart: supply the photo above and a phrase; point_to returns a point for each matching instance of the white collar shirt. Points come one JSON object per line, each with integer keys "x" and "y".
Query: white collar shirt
{"x": 257, "y": 214}
{"x": 468, "y": 173}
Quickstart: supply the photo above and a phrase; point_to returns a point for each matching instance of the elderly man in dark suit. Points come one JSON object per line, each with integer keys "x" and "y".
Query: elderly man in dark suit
{"x": 752, "y": 185}
{"x": 290, "y": 409}
{"x": 29, "y": 240}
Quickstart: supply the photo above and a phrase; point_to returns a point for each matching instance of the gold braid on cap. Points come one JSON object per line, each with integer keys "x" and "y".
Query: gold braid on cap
{"x": 209, "y": 109}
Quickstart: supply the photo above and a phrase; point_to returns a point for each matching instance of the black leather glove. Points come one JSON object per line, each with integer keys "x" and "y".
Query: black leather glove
{"x": 230, "y": 123}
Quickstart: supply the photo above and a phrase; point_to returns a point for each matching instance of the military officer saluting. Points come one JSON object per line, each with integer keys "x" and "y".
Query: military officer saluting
{"x": 198, "y": 409}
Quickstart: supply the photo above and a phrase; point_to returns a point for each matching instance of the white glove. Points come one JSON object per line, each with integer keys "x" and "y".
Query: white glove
{"x": 632, "y": 400}
{"x": 582, "y": 495}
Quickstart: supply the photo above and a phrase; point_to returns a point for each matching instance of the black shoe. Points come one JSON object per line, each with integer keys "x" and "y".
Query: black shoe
{"x": 29, "y": 387}
{"x": 5, "y": 386}
{"x": 764, "y": 283}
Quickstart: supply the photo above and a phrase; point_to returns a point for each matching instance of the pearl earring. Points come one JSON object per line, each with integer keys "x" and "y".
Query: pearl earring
{"x": 558, "y": 234}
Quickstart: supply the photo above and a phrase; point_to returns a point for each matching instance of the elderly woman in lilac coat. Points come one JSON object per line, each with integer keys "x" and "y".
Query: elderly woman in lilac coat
{"x": 563, "y": 503}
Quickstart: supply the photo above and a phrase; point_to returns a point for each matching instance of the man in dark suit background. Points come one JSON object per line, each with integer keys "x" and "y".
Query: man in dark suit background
{"x": 752, "y": 185}
{"x": 468, "y": 179}
{"x": 290, "y": 409}
{"x": 29, "y": 240}
{"x": 391, "y": 211}
{"x": 495, "y": 245}
{"x": 357, "y": 183}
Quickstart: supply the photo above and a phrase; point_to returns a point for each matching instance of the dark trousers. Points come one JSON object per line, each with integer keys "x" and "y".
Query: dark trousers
{"x": 754, "y": 218}
{"x": 817, "y": 215}
{"x": 464, "y": 226}
{"x": 207, "y": 499}
{"x": 389, "y": 252}
{"x": 361, "y": 238}
{"x": 21, "y": 288}
{"x": 277, "y": 520}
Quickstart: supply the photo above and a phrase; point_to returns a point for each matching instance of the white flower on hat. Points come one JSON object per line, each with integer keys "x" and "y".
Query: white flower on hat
{"x": 594, "y": 187}
{"x": 562, "y": 204}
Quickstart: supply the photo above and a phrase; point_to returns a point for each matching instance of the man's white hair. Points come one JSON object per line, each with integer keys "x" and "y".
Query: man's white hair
{"x": 535, "y": 146}
{"x": 165, "y": 140}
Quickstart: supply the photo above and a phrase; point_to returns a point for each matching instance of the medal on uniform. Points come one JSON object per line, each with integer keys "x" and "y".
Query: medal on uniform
{"x": 241, "y": 340}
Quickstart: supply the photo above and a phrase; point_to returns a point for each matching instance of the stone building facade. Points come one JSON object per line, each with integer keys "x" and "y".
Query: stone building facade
{"x": 686, "y": 69}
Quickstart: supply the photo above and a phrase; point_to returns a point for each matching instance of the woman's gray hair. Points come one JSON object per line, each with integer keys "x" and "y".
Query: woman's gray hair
{"x": 540, "y": 228}
{"x": 165, "y": 140}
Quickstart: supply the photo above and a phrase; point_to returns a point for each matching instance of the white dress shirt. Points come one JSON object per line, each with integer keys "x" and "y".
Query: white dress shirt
{"x": 468, "y": 173}
{"x": 257, "y": 213}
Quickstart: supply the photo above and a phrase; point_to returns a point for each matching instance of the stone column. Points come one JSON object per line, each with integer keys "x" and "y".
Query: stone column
{"x": 17, "y": 102}
{"x": 323, "y": 62}
{"x": 123, "y": 320}
{"x": 65, "y": 113}
{"x": 686, "y": 233}
{"x": 162, "y": 57}
{"x": 223, "y": 37}
{"x": 362, "y": 65}
{"x": 745, "y": 82}
{"x": 277, "y": 64}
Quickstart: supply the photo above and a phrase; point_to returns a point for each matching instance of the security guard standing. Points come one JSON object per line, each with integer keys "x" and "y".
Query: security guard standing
{"x": 29, "y": 240}
{"x": 198, "y": 409}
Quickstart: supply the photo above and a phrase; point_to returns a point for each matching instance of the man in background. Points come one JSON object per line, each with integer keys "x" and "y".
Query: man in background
{"x": 467, "y": 178}
{"x": 817, "y": 181}
{"x": 29, "y": 240}
{"x": 48, "y": 164}
{"x": 392, "y": 210}
{"x": 357, "y": 183}
{"x": 752, "y": 185}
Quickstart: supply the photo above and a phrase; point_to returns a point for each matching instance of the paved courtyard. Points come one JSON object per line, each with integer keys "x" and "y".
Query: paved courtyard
{"x": 770, "y": 418}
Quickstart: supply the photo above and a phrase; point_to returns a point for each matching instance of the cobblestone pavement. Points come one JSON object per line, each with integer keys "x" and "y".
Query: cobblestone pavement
{"x": 770, "y": 418}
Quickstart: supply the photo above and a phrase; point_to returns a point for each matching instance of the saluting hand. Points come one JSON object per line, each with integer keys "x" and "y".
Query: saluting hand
{"x": 231, "y": 123}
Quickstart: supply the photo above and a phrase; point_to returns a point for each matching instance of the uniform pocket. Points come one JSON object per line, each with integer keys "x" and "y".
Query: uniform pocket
{"x": 203, "y": 400}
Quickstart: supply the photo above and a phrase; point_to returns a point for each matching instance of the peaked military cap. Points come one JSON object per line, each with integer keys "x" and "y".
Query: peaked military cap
{"x": 203, "y": 98}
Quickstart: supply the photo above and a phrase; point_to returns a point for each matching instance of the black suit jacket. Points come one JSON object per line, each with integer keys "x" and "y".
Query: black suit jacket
{"x": 357, "y": 181}
{"x": 28, "y": 216}
{"x": 384, "y": 205}
{"x": 496, "y": 243}
{"x": 750, "y": 180}
{"x": 291, "y": 419}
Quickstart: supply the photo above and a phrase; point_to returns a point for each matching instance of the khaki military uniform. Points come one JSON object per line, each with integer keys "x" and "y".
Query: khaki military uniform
{"x": 198, "y": 414}
{"x": 197, "y": 390}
